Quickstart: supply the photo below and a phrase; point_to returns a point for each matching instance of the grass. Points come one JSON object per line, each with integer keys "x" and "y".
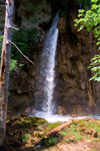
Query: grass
{"x": 82, "y": 130}
{"x": 25, "y": 137}
{"x": 50, "y": 141}
{"x": 24, "y": 130}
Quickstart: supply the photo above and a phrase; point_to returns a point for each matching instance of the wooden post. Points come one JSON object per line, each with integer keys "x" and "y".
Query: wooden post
{"x": 4, "y": 71}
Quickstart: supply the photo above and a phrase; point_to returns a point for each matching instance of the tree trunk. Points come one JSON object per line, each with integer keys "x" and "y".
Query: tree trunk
{"x": 4, "y": 72}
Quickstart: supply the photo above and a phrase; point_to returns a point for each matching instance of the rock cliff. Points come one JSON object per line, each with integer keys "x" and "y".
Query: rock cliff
{"x": 74, "y": 93}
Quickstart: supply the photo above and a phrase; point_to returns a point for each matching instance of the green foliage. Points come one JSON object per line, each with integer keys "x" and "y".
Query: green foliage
{"x": 50, "y": 141}
{"x": 14, "y": 65}
{"x": 23, "y": 39}
{"x": 64, "y": 132}
{"x": 1, "y": 39}
{"x": 36, "y": 120}
{"x": 71, "y": 133}
{"x": 25, "y": 137}
{"x": 81, "y": 130}
{"x": 90, "y": 20}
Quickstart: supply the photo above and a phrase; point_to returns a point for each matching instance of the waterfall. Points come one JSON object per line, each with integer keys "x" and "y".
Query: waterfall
{"x": 46, "y": 84}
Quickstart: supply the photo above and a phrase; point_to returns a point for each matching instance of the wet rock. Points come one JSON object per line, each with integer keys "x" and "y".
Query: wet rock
{"x": 83, "y": 85}
{"x": 61, "y": 110}
{"x": 62, "y": 25}
{"x": 80, "y": 67}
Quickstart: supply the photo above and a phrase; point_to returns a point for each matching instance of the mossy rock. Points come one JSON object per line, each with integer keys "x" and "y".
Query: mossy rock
{"x": 54, "y": 125}
{"x": 39, "y": 121}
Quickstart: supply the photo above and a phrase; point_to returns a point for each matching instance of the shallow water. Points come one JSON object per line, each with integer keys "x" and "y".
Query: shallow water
{"x": 59, "y": 118}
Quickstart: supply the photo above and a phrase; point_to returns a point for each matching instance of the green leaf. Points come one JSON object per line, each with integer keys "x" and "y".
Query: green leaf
{"x": 94, "y": 69}
{"x": 97, "y": 79}
{"x": 98, "y": 43}
{"x": 81, "y": 11}
{"x": 94, "y": 1}
{"x": 94, "y": 6}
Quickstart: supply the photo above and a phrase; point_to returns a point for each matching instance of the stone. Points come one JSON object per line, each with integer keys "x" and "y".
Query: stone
{"x": 61, "y": 110}
{"x": 62, "y": 25}
{"x": 80, "y": 67}
{"x": 83, "y": 85}
{"x": 73, "y": 93}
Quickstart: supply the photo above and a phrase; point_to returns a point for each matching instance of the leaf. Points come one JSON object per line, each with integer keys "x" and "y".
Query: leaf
{"x": 98, "y": 43}
{"x": 81, "y": 11}
{"x": 80, "y": 15}
{"x": 92, "y": 78}
{"x": 97, "y": 79}
{"x": 94, "y": 1}
{"x": 94, "y": 69}
{"x": 94, "y": 6}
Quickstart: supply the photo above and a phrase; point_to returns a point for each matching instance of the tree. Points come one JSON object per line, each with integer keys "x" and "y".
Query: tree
{"x": 4, "y": 72}
{"x": 90, "y": 20}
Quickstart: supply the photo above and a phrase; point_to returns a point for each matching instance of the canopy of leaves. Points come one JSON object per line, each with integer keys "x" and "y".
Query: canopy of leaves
{"x": 90, "y": 20}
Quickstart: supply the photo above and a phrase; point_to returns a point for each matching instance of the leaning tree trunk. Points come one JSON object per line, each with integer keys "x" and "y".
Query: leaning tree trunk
{"x": 4, "y": 71}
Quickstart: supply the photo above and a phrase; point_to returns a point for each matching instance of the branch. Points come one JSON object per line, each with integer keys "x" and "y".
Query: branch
{"x": 22, "y": 53}
{"x": 15, "y": 28}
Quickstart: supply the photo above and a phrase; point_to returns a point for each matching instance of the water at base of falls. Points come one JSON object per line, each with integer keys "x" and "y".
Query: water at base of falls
{"x": 59, "y": 118}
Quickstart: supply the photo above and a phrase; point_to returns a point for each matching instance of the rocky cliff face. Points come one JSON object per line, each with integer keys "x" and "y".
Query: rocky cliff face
{"x": 77, "y": 95}
{"x": 74, "y": 93}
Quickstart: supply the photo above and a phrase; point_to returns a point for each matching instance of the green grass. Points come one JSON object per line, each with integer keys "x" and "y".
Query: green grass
{"x": 25, "y": 137}
{"x": 81, "y": 130}
{"x": 50, "y": 141}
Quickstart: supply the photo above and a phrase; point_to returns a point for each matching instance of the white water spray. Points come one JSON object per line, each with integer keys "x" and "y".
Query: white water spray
{"x": 44, "y": 97}
{"x": 49, "y": 52}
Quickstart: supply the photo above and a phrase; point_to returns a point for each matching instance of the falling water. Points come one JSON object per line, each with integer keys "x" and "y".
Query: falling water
{"x": 46, "y": 83}
{"x": 43, "y": 106}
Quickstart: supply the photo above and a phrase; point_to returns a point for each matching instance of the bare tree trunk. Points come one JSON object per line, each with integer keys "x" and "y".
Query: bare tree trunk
{"x": 4, "y": 72}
